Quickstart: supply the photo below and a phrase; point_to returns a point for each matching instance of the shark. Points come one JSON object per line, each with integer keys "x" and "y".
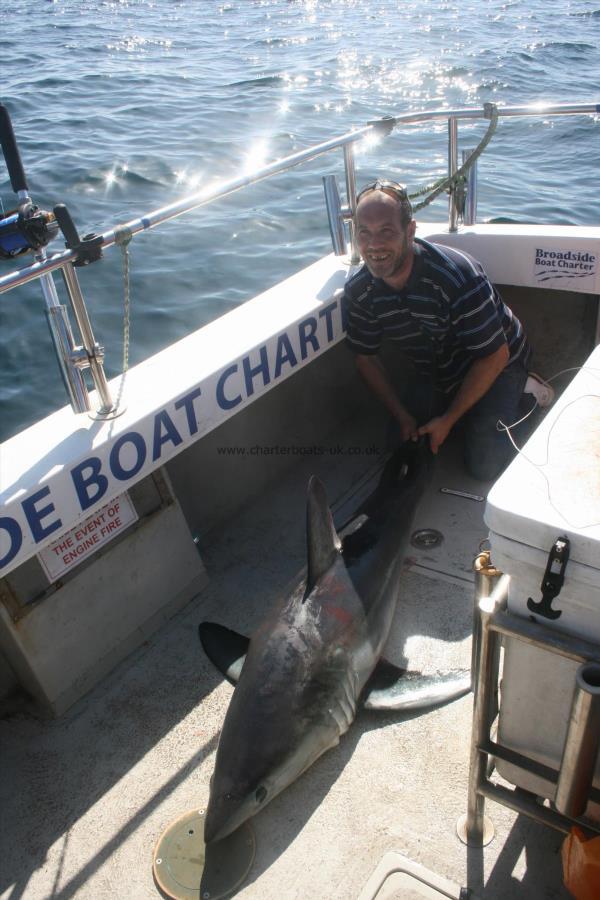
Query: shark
{"x": 317, "y": 657}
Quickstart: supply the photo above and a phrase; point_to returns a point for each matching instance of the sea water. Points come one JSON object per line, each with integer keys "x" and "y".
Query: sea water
{"x": 123, "y": 107}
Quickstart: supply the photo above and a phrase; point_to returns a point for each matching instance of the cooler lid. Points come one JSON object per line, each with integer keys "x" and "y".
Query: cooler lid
{"x": 553, "y": 486}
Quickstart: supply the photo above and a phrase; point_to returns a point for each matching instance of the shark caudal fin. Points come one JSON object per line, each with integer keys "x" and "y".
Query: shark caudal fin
{"x": 225, "y": 648}
{"x": 392, "y": 688}
{"x": 323, "y": 543}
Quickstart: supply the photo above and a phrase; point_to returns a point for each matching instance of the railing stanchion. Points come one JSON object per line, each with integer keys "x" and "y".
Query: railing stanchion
{"x": 351, "y": 195}
{"x": 452, "y": 169}
{"x": 470, "y": 213}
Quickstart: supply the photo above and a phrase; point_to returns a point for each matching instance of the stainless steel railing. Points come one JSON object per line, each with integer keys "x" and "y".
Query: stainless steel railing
{"x": 91, "y": 354}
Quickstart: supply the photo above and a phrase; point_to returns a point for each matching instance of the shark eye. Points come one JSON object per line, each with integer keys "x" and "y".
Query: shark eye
{"x": 260, "y": 794}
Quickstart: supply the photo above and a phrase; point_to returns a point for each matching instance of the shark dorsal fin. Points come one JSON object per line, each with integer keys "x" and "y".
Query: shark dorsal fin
{"x": 323, "y": 543}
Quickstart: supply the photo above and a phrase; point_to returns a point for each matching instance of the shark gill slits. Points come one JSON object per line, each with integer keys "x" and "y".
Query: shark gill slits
{"x": 261, "y": 794}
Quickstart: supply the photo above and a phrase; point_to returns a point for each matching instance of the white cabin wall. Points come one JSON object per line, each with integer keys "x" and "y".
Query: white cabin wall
{"x": 560, "y": 326}
{"x": 305, "y": 411}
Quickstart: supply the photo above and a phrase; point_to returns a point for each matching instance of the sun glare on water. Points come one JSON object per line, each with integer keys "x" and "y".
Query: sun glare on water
{"x": 111, "y": 178}
{"x": 256, "y": 156}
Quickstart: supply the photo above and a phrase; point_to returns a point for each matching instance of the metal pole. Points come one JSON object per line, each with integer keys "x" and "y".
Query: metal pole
{"x": 537, "y": 635}
{"x": 92, "y": 349}
{"x": 200, "y": 198}
{"x": 452, "y": 169}
{"x": 486, "y": 578}
{"x": 475, "y": 823}
{"x": 521, "y": 802}
{"x": 64, "y": 345}
{"x": 29, "y": 273}
{"x": 475, "y": 828}
{"x": 534, "y": 109}
{"x": 470, "y": 213}
{"x": 580, "y": 752}
{"x": 351, "y": 195}
{"x": 334, "y": 214}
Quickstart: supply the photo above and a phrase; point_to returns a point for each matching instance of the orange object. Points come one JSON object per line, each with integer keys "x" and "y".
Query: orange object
{"x": 581, "y": 865}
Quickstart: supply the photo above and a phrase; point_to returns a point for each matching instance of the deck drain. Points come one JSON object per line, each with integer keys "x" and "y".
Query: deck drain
{"x": 425, "y": 538}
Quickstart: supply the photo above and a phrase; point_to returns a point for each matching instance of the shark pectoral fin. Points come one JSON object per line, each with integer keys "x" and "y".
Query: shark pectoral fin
{"x": 384, "y": 676}
{"x": 225, "y": 648}
{"x": 412, "y": 690}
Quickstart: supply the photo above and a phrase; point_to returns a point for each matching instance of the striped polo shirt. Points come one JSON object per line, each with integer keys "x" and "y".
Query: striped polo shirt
{"x": 447, "y": 315}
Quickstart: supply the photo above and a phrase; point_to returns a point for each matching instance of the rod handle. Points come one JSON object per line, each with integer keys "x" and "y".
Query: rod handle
{"x": 11, "y": 152}
{"x": 67, "y": 226}
{"x": 88, "y": 248}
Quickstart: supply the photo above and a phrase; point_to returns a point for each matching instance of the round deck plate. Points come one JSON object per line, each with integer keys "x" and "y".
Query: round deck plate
{"x": 486, "y": 838}
{"x": 186, "y": 869}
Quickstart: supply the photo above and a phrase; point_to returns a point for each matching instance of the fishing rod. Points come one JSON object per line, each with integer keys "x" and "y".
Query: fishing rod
{"x": 27, "y": 227}
{"x": 30, "y": 229}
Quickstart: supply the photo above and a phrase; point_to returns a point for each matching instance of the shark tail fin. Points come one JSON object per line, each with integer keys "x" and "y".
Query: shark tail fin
{"x": 225, "y": 648}
{"x": 323, "y": 542}
{"x": 392, "y": 688}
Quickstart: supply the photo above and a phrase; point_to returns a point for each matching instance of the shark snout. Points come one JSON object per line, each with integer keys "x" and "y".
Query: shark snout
{"x": 223, "y": 815}
{"x": 213, "y": 831}
{"x": 215, "y": 828}
{"x": 216, "y": 824}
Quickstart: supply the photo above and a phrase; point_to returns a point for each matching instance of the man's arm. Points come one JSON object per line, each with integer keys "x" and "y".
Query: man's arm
{"x": 478, "y": 380}
{"x": 372, "y": 371}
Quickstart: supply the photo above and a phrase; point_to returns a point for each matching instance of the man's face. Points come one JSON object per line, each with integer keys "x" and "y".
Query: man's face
{"x": 384, "y": 242}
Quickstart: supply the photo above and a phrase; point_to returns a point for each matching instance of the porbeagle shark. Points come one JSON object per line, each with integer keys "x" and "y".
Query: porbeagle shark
{"x": 301, "y": 677}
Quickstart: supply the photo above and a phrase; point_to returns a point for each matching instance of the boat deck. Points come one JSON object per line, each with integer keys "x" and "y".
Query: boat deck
{"x": 85, "y": 798}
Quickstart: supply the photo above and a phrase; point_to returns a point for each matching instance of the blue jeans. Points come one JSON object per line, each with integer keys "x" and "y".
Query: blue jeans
{"x": 487, "y": 450}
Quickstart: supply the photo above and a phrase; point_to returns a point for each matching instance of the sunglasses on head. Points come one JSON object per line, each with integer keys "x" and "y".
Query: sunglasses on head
{"x": 383, "y": 184}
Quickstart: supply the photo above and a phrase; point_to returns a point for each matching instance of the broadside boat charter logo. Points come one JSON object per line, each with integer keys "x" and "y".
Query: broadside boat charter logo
{"x": 565, "y": 265}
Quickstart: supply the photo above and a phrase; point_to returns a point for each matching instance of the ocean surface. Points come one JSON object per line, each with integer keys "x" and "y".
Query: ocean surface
{"x": 123, "y": 107}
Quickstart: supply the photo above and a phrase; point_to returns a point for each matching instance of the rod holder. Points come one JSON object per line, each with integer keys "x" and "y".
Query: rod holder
{"x": 335, "y": 214}
{"x": 70, "y": 358}
{"x": 580, "y": 752}
{"x": 94, "y": 353}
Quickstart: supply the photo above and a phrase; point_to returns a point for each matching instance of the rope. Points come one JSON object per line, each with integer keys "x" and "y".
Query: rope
{"x": 540, "y": 466}
{"x": 451, "y": 182}
{"x": 123, "y": 236}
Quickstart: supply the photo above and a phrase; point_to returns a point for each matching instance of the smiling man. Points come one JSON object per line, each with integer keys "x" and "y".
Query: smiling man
{"x": 467, "y": 352}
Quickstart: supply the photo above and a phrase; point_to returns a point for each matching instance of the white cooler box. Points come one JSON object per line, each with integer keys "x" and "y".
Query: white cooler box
{"x": 551, "y": 490}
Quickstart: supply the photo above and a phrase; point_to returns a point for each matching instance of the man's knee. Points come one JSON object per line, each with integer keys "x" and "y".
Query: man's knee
{"x": 487, "y": 450}
{"x": 485, "y": 467}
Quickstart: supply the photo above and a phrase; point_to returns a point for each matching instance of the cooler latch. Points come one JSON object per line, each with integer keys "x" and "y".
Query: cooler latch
{"x": 553, "y": 580}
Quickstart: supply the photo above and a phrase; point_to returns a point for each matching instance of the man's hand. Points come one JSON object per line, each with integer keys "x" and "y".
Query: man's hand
{"x": 408, "y": 426}
{"x": 478, "y": 380}
{"x": 438, "y": 430}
